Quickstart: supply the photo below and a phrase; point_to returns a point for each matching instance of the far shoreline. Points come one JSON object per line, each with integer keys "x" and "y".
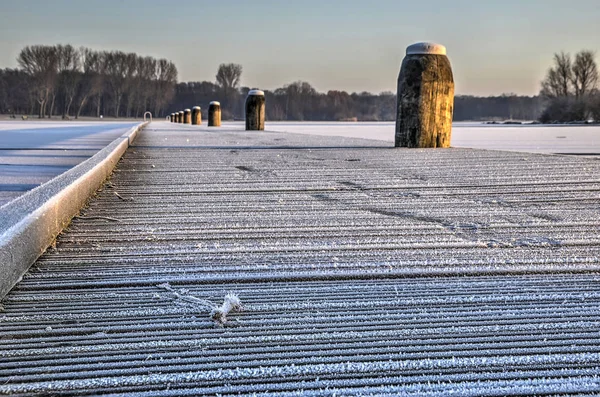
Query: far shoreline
{"x": 505, "y": 123}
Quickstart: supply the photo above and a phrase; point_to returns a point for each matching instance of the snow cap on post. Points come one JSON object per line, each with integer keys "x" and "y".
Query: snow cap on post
{"x": 426, "y": 48}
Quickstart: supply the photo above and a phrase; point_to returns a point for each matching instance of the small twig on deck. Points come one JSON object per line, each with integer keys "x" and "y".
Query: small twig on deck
{"x": 106, "y": 218}
{"x": 218, "y": 314}
{"x": 123, "y": 198}
{"x": 187, "y": 298}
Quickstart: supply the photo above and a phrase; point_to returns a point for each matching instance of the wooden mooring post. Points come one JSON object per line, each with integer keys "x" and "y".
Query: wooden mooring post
{"x": 214, "y": 114}
{"x": 425, "y": 98}
{"x": 196, "y": 115}
{"x": 255, "y": 111}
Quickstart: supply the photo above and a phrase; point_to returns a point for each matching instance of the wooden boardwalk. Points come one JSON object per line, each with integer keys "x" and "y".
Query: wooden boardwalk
{"x": 362, "y": 269}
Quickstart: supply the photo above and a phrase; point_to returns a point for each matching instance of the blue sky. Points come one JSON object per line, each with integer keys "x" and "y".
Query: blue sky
{"x": 494, "y": 46}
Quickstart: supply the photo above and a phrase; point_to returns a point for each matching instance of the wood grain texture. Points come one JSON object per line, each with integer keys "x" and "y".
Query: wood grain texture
{"x": 425, "y": 102}
{"x": 405, "y": 272}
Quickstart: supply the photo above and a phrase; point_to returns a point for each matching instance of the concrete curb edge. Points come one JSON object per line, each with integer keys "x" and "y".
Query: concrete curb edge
{"x": 31, "y": 222}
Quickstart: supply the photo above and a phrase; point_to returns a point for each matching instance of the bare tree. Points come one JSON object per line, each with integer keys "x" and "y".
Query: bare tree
{"x": 558, "y": 80}
{"x": 69, "y": 75}
{"x": 99, "y": 73}
{"x": 585, "y": 73}
{"x": 116, "y": 69}
{"x": 147, "y": 68}
{"x": 40, "y": 62}
{"x": 131, "y": 81}
{"x": 229, "y": 76}
{"x": 91, "y": 83}
{"x": 569, "y": 87}
{"x": 228, "y": 79}
{"x": 298, "y": 97}
{"x": 164, "y": 84}
{"x": 15, "y": 92}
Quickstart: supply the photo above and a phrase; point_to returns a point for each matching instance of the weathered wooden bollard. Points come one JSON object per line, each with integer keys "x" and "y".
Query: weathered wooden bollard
{"x": 187, "y": 116}
{"x": 196, "y": 115}
{"x": 255, "y": 111}
{"x": 180, "y": 116}
{"x": 173, "y": 118}
{"x": 425, "y": 98}
{"x": 214, "y": 114}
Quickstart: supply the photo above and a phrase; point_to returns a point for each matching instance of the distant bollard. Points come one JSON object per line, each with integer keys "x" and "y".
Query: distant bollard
{"x": 173, "y": 117}
{"x": 425, "y": 98}
{"x": 196, "y": 115}
{"x": 214, "y": 114}
{"x": 187, "y": 116}
{"x": 255, "y": 111}
{"x": 180, "y": 116}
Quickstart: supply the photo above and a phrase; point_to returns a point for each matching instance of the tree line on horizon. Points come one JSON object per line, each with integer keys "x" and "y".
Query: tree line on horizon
{"x": 299, "y": 101}
{"x": 70, "y": 82}
{"x": 61, "y": 80}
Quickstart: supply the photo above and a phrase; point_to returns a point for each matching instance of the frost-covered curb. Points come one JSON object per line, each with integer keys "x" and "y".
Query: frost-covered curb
{"x": 30, "y": 223}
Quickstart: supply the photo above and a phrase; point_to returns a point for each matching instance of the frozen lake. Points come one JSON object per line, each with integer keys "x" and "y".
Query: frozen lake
{"x": 34, "y": 152}
{"x": 519, "y": 138}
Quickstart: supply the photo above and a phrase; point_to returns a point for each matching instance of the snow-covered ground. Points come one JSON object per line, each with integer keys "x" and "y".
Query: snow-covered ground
{"x": 59, "y": 135}
{"x": 32, "y": 153}
{"x": 520, "y": 138}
